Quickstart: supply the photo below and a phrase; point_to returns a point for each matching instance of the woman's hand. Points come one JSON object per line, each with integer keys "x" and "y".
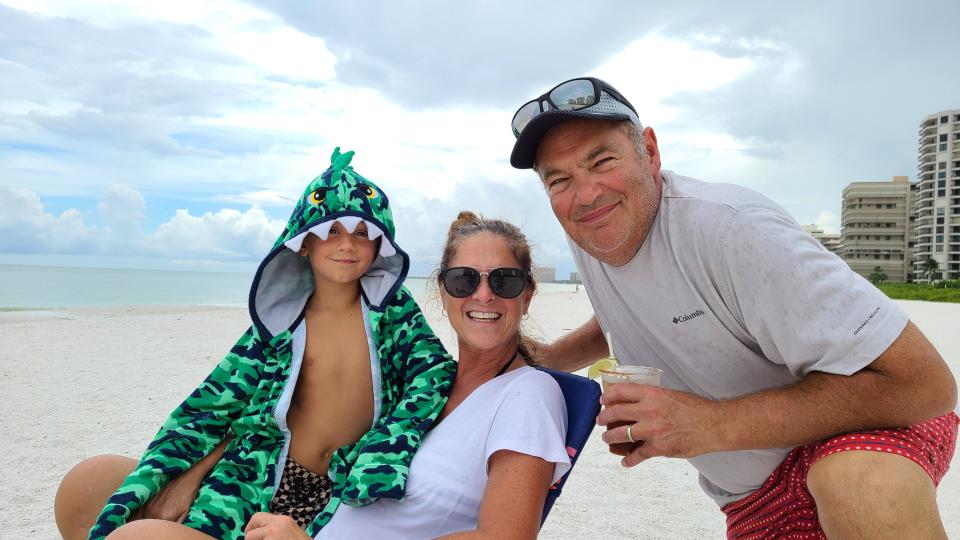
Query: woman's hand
{"x": 264, "y": 526}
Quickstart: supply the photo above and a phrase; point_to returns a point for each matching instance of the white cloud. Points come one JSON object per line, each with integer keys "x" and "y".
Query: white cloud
{"x": 264, "y": 197}
{"x": 123, "y": 207}
{"x": 26, "y": 227}
{"x": 223, "y": 235}
{"x": 828, "y": 222}
{"x": 228, "y": 234}
{"x": 650, "y": 70}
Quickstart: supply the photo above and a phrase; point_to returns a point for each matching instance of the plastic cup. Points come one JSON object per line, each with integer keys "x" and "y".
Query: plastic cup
{"x": 630, "y": 374}
{"x": 627, "y": 374}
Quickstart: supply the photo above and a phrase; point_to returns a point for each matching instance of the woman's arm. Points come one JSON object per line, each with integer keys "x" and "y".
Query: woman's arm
{"x": 512, "y": 504}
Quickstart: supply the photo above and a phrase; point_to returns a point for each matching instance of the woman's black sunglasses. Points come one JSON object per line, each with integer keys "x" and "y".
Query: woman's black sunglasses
{"x": 462, "y": 281}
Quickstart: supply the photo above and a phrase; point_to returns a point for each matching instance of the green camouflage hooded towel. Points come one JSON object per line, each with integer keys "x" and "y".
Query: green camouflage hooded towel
{"x": 245, "y": 393}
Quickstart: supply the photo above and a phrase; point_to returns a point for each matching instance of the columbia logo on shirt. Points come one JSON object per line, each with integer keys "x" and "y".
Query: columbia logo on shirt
{"x": 684, "y": 318}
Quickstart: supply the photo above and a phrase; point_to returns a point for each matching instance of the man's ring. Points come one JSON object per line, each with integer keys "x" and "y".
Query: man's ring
{"x": 629, "y": 434}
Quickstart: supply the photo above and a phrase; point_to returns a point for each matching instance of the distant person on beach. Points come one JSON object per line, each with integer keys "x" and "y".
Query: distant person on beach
{"x": 806, "y": 399}
{"x": 484, "y": 469}
{"x": 325, "y": 399}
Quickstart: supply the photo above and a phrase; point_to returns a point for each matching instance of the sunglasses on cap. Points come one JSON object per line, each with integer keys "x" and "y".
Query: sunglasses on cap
{"x": 462, "y": 281}
{"x": 572, "y": 95}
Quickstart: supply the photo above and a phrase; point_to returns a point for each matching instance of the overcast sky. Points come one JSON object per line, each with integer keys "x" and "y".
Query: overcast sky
{"x": 177, "y": 134}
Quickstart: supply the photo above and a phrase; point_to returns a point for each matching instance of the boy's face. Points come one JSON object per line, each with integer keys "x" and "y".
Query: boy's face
{"x": 343, "y": 257}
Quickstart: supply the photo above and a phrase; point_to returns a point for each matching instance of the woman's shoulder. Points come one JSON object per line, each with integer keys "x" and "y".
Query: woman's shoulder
{"x": 530, "y": 380}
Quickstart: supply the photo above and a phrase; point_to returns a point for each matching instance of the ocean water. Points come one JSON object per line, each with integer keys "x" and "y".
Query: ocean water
{"x": 51, "y": 287}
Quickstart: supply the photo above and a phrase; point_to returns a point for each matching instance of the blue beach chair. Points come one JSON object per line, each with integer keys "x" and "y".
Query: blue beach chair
{"x": 582, "y": 397}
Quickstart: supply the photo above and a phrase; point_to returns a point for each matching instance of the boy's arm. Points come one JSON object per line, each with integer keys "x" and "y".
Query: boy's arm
{"x": 190, "y": 433}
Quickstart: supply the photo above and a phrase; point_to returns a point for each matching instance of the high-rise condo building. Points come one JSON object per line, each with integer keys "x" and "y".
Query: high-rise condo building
{"x": 876, "y": 228}
{"x": 937, "y": 203}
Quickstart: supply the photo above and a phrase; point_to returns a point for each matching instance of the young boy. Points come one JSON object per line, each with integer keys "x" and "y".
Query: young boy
{"x": 325, "y": 398}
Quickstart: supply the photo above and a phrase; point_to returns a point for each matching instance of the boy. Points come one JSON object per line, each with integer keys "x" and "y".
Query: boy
{"x": 325, "y": 398}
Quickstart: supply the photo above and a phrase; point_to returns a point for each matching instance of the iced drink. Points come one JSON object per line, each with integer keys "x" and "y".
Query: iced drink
{"x": 627, "y": 374}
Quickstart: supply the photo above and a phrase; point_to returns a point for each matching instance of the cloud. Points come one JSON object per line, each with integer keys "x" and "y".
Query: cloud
{"x": 828, "y": 222}
{"x": 226, "y": 235}
{"x": 25, "y": 227}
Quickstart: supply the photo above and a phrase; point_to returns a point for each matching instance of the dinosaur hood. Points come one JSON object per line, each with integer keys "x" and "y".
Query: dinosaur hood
{"x": 284, "y": 280}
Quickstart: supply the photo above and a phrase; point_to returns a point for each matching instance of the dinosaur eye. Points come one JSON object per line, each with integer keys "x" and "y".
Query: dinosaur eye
{"x": 369, "y": 191}
{"x": 318, "y": 196}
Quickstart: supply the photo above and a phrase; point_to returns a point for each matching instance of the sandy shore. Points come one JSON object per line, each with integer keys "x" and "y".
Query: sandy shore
{"x": 82, "y": 382}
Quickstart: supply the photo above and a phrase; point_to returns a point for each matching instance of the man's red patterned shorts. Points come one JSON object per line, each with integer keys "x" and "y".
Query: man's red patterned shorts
{"x": 783, "y": 506}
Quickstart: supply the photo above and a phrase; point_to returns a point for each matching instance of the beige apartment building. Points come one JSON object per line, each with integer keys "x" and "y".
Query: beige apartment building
{"x": 876, "y": 228}
{"x": 827, "y": 240}
{"x": 937, "y": 204}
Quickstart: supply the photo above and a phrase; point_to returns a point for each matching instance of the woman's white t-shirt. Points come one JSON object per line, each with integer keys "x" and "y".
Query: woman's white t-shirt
{"x": 522, "y": 410}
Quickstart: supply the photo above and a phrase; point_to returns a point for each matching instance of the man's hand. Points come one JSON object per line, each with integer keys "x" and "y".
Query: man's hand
{"x": 264, "y": 526}
{"x": 668, "y": 422}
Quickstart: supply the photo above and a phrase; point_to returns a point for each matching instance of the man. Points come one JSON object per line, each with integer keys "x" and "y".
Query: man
{"x": 783, "y": 371}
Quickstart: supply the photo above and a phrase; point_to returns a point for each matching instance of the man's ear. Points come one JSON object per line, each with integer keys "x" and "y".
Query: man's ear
{"x": 653, "y": 150}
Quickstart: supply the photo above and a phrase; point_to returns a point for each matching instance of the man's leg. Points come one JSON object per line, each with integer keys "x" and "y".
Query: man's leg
{"x": 862, "y": 494}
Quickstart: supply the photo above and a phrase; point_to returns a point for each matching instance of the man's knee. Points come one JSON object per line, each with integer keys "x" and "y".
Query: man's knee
{"x": 858, "y": 489}
{"x": 866, "y": 474}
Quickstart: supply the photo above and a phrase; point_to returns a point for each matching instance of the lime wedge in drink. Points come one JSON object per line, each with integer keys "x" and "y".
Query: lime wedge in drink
{"x": 603, "y": 364}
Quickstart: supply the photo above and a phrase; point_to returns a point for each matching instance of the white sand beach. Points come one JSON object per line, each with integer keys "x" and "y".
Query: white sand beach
{"x": 80, "y": 382}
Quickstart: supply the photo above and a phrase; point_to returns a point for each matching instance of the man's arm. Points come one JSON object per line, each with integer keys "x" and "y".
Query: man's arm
{"x": 574, "y": 351}
{"x": 906, "y": 384}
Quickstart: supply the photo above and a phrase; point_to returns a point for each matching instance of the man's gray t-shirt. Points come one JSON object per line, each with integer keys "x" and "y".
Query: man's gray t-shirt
{"x": 729, "y": 296}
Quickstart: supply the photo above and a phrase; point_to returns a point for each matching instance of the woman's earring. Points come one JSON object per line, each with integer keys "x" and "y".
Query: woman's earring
{"x": 443, "y": 312}
{"x": 525, "y": 317}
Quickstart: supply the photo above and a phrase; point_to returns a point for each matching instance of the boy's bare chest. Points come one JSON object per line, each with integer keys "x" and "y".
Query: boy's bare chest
{"x": 336, "y": 351}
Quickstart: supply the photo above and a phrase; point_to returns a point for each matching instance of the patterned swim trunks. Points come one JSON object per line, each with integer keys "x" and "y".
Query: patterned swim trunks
{"x": 302, "y": 494}
{"x": 784, "y": 508}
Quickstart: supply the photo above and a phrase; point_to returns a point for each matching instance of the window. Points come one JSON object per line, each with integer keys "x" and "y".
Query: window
{"x": 942, "y": 165}
{"x": 940, "y": 248}
{"x": 940, "y": 230}
{"x": 940, "y": 211}
{"x": 943, "y": 119}
{"x": 941, "y": 174}
{"x": 942, "y": 147}
{"x": 941, "y": 193}
{"x": 939, "y": 239}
